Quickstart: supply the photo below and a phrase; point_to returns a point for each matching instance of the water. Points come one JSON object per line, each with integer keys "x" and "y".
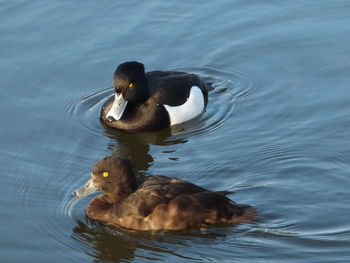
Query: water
{"x": 276, "y": 130}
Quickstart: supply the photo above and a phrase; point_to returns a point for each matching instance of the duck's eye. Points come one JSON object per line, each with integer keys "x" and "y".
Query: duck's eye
{"x": 105, "y": 174}
{"x": 131, "y": 85}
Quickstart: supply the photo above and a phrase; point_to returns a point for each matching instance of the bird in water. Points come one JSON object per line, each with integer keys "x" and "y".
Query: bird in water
{"x": 156, "y": 202}
{"x": 152, "y": 101}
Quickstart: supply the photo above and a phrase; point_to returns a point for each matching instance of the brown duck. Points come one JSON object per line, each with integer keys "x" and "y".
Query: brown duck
{"x": 156, "y": 202}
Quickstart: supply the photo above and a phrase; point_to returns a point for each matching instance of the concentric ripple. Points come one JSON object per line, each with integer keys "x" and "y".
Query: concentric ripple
{"x": 86, "y": 109}
{"x": 228, "y": 88}
{"x": 113, "y": 243}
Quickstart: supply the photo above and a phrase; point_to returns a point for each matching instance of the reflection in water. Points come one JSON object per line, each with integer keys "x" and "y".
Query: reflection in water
{"x": 105, "y": 245}
{"x": 278, "y": 137}
{"x": 115, "y": 244}
{"x": 227, "y": 87}
{"x": 136, "y": 147}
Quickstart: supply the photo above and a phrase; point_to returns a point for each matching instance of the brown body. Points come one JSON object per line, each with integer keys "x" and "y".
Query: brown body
{"x": 162, "y": 203}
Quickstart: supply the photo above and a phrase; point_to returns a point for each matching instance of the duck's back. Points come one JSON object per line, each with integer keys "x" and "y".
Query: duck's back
{"x": 167, "y": 203}
{"x": 173, "y": 88}
{"x": 153, "y": 191}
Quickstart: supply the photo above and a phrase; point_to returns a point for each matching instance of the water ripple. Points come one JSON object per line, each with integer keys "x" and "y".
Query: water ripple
{"x": 86, "y": 109}
{"x": 228, "y": 88}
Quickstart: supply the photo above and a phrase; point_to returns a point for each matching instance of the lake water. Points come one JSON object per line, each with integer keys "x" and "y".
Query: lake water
{"x": 276, "y": 130}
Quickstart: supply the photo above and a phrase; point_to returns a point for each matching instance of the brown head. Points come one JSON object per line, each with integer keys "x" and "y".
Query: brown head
{"x": 111, "y": 175}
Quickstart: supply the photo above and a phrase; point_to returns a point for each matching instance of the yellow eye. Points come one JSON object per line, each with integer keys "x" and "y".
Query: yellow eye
{"x": 105, "y": 174}
{"x": 131, "y": 85}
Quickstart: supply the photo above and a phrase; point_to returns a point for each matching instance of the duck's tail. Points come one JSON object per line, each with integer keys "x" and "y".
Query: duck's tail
{"x": 249, "y": 215}
{"x": 209, "y": 86}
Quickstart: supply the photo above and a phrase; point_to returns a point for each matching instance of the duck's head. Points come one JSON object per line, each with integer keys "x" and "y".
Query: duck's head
{"x": 130, "y": 85}
{"x": 111, "y": 175}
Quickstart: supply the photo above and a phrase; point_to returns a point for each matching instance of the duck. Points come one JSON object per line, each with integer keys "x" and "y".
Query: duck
{"x": 156, "y": 203}
{"x": 152, "y": 101}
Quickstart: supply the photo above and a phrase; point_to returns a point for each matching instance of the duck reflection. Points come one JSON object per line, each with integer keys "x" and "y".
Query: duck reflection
{"x": 105, "y": 245}
{"x": 115, "y": 244}
{"x": 136, "y": 146}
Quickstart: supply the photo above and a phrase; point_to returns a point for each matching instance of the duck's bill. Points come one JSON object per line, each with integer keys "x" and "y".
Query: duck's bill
{"x": 88, "y": 188}
{"x": 117, "y": 109}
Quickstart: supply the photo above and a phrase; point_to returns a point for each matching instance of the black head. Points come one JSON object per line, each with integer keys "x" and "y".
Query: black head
{"x": 115, "y": 177}
{"x": 130, "y": 80}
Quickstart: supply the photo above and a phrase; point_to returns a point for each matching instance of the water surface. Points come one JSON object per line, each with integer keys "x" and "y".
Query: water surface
{"x": 276, "y": 130}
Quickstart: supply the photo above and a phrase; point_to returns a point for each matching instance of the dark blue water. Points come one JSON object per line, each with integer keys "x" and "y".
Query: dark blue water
{"x": 276, "y": 130}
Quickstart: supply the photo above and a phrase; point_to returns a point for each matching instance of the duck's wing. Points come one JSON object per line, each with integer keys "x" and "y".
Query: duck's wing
{"x": 153, "y": 191}
{"x": 172, "y": 88}
{"x": 197, "y": 210}
{"x": 168, "y": 203}
{"x": 169, "y": 187}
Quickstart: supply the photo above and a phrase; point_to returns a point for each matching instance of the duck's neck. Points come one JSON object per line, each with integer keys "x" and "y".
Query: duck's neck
{"x": 114, "y": 193}
{"x": 112, "y": 198}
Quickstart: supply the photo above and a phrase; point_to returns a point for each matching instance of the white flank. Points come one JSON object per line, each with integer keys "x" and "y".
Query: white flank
{"x": 187, "y": 111}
